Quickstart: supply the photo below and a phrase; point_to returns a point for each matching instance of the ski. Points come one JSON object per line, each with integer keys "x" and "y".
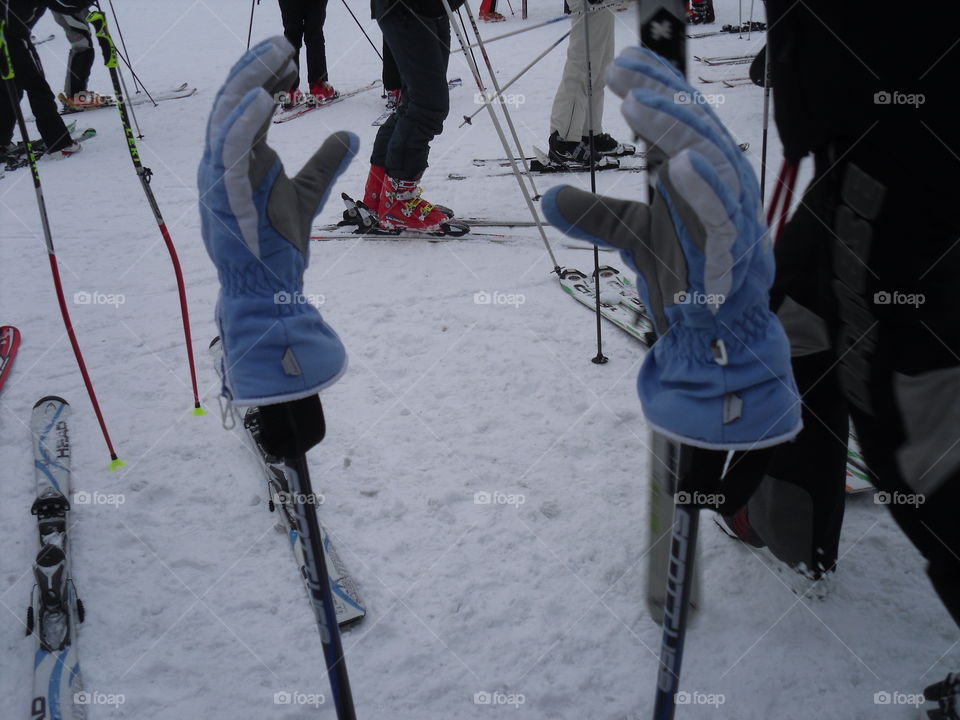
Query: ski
{"x": 732, "y": 60}
{"x": 703, "y": 79}
{"x": 737, "y": 82}
{"x": 55, "y": 610}
{"x": 346, "y": 598}
{"x": 40, "y": 41}
{"x": 747, "y": 27}
{"x": 407, "y": 235}
{"x": 181, "y": 91}
{"x": 17, "y": 158}
{"x": 616, "y": 300}
{"x": 858, "y": 474}
{"x": 302, "y": 108}
{"x": 9, "y": 343}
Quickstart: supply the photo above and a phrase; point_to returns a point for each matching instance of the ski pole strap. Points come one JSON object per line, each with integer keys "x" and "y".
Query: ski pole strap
{"x": 6, "y": 68}
{"x": 109, "y": 50}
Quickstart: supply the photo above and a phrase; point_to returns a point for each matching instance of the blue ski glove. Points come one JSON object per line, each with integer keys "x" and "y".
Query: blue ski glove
{"x": 719, "y": 375}
{"x": 256, "y": 225}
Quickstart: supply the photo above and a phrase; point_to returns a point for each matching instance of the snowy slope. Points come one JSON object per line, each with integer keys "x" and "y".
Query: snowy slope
{"x": 194, "y": 609}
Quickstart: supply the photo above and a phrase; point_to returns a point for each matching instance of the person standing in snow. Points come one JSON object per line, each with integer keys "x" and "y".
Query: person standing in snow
{"x": 418, "y": 35}
{"x": 71, "y": 15}
{"x": 303, "y": 25}
{"x": 19, "y": 17}
{"x": 488, "y": 11}
{"x": 571, "y": 114}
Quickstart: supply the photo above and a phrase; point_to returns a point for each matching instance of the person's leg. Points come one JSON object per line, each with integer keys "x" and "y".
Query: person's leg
{"x": 315, "y": 17}
{"x": 30, "y": 79}
{"x": 569, "y": 112}
{"x": 601, "y": 55}
{"x": 292, "y": 14}
{"x": 81, "y": 57}
{"x": 420, "y": 47}
{"x": 391, "y": 75}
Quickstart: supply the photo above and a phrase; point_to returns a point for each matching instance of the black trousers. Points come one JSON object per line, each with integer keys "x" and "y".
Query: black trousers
{"x": 391, "y": 75}
{"x": 81, "y": 57}
{"x": 303, "y": 25}
{"x": 29, "y": 79}
{"x": 421, "y": 48}
{"x": 866, "y": 287}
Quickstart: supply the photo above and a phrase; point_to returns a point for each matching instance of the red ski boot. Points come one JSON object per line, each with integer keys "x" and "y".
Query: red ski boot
{"x": 402, "y": 208}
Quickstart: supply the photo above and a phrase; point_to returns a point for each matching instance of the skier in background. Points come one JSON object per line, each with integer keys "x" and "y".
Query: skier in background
{"x": 571, "y": 113}
{"x": 303, "y": 25}
{"x": 71, "y": 15}
{"x": 20, "y": 16}
{"x": 418, "y": 35}
{"x": 488, "y": 11}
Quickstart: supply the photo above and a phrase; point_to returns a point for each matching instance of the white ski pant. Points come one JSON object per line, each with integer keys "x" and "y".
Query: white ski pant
{"x": 570, "y": 116}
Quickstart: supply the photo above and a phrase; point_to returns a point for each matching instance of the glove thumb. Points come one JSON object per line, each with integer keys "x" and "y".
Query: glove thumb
{"x": 612, "y": 222}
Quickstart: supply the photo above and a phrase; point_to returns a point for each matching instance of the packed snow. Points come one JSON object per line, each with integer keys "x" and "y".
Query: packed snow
{"x": 484, "y": 481}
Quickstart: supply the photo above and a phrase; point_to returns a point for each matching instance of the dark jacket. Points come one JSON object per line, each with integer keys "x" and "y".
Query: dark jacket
{"x": 425, "y": 8}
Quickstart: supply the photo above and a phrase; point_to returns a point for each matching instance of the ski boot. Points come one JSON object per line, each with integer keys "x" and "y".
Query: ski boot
{"x": 402, "y": 207}
{"x": 946, "y": 694}
{"x": 322, "y": 92}
{"x": 606, "y": 144}
{"x": 290, "y": 98}
{"x": 86, "y": 100}
{"x": 492, "y": 16}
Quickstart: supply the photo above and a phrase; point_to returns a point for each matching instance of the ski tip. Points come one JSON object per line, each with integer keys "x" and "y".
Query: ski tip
{"x": 50, "y": 398}
{"x": 116, "y": 464}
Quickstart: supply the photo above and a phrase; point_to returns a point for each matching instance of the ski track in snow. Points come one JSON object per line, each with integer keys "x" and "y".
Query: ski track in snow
{"x": 193, "y": 605}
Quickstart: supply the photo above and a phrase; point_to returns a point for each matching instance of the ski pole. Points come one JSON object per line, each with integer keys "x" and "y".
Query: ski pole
{"x": 559, "y": 18}
{"x": 467, "y": 119}
{"x": 488, "y": 103}
{"x": 289, "y": 430}
{"x": 123, "y": 44}
{"x": 253, "y": 4}
{"x": 766, "y": 120}
{"x": 109, "y": 50}
{"x": 599, "y": 358}
{"x": 510, "y": 5}
{"x": 362, "y": 30}
{"x": 7, "y": 75}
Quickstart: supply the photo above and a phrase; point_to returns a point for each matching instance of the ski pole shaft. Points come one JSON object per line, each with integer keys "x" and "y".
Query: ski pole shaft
{"x": 253, "y": 5}
{"x": 559, "y": 18}
{"x": 7, "y": 75}
{"x": 375, "y": 49}
{"x": 123, "y": 44}
{"x": 766, "y": 121}
{"x": 99, "y": 22}
{"x": 289, "y": 430}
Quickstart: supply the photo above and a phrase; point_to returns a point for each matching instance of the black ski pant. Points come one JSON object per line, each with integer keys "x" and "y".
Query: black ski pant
{"x": 29, "y": 79}
{"x": 421, "y": 47}
{"x": 81, "y": 57}
{"x": 391, "y": 75}
{"x": 303, "y": 25}
{"x": 866, "y": 289}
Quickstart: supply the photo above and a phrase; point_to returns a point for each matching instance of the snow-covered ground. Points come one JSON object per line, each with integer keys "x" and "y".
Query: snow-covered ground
{"x": 193, "y": 604}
